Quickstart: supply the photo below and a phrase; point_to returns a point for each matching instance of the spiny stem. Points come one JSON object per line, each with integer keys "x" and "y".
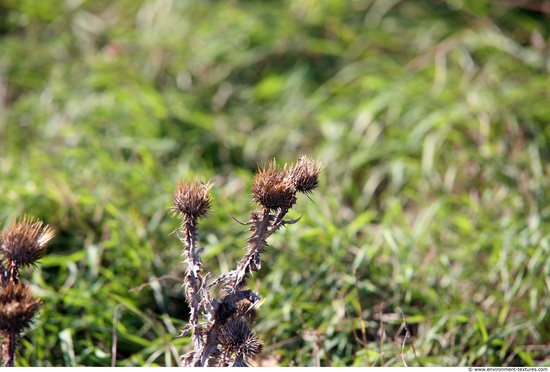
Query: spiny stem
{"x": 251, "y": 261}
{"x": 9, "y": 343}
{"x": 191, "y": 282}
{"x": 192, "y": 201}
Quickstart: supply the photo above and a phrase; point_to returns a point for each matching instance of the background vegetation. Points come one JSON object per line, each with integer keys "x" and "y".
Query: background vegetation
{"x": 430, "y": 117}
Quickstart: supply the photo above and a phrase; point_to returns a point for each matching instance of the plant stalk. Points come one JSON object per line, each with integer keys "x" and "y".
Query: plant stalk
{"x": 9, "y": 342}
{"x": 192, "y": 280}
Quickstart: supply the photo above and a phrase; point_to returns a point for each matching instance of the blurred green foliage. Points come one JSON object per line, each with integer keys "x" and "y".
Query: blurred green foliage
{"x": 431, "y": 118}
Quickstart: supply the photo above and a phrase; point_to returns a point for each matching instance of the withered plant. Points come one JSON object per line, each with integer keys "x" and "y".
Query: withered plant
{"x": 21, "y": 245}
{"x": 221, "y": 329}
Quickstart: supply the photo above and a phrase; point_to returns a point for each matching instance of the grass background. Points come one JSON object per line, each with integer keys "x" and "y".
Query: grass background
{"x": 431, "y": 119}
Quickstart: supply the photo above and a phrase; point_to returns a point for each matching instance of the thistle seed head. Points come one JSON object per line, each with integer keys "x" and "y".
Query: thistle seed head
{"x": 17, "y": 307}
{"x": 25, "y": 242}
{"x": 192, "y": 199}
{"x": 246, "y": 310}
{"x": 272, "y": 188}
{"x": 234, "y": 334}
{"x": 253, "y": 346}
{"x": 305, "y": 174}
{"x": 237, "y": 337}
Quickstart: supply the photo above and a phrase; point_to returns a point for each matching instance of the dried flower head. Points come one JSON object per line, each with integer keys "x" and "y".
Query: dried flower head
{"x": 252, "y": 347}
{"x": 24, "y": 242}
{"x": 238, "y": 338}
{"x": 234, "y": 334}
{"x": 192, "y": 199}
{"x": 272, "y": 187}
{"x": 17, "y": 307}
{"x": 246, "y": 310}
{"x": 305, "y": 174}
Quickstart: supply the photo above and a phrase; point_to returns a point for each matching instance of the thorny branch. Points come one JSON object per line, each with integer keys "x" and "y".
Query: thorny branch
{"x": 22, "y": 244}
{"x": 225, "y": 336}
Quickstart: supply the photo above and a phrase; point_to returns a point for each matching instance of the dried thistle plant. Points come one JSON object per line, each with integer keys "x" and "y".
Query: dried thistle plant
{"x": 21, "y": 245}
{"x": 225, "y": 337}
{"x": 191, "y": 202}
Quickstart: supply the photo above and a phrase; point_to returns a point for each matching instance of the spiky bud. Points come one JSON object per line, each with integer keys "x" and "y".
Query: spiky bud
{"x": 238, "y": 338}
{"x": 272, "y": 188}
{"x": 234, "y": 334}
{"x": 252, "y": 347}
{"x": 24, "y": 242}
{"x": 305, "y": 174}
{"x": 17, "y": 307}
{"x": 246, "y": 311}
{"x": 192, "y": 199}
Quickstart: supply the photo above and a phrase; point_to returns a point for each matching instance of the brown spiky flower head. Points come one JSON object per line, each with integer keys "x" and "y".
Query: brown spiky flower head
{"x": 24, "y": 242}
{"x": 17, "y": 307}
{"x": 272, "y": 187}
{"x": 192, "y": 199}
{"x": 237, "y": 338}
{"x": 305, "y": 174}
